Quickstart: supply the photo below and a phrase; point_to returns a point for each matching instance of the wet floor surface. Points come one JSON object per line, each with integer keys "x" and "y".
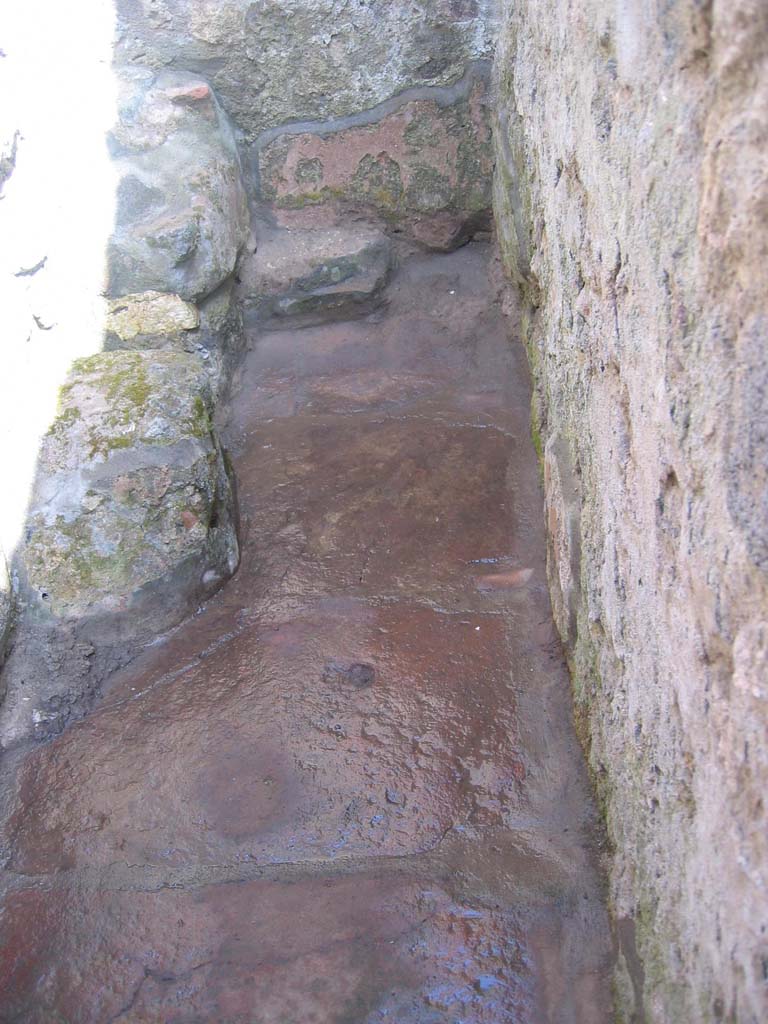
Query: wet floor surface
{"x": 348, "y": 790}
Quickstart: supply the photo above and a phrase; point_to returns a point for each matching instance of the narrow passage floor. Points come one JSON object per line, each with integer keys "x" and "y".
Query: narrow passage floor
{"x": 348, "y": 791}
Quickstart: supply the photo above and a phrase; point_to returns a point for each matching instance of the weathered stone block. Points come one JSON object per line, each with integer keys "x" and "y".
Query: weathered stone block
{"x": 182, "y": 216}
{"x": 156, "y": 320}
{"x": 423, "y": 167}
{"x": 149, "y": 320}
{"x": 307, "y": 276}
{"x": 131, "y": 524}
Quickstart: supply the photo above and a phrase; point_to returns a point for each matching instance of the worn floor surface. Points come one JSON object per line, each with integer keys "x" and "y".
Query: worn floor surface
{"x": 348, "y": 790}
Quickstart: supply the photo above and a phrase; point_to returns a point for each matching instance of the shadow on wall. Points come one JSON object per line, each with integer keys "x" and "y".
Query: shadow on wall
{"x": 123, "y": 217}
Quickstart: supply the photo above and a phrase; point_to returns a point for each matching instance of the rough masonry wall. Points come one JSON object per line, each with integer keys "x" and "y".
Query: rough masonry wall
{"x": 632, "y": 206}
{"x": 275, "y": 61}
{"x": 344, "y": 108}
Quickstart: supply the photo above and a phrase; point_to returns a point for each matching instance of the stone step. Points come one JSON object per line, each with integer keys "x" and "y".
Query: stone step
{"x": 302, "y": 277}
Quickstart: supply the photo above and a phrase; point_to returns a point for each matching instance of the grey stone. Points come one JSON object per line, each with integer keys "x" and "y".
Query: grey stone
{"x": 131, "y": 525}
{"x": 220, "y": 340}
{"x": 157, "y": 320}
{"x": 393, "y": 95}
{"x": 304, "y": 276}
{"x": 133, "y": 502}
{"x": 182, "y": 216}
{"x": 287, "y": 60}
{"x": 149, "y": 320}
{"x": 9, "y": 142}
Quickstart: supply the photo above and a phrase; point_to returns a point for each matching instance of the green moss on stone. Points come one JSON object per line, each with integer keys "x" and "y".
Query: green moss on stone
{"x": 419, "y": 133}
{"x": 122, "y": 377}
{"x": 428, "y": 189}
{"x": 65, "y": 417}
{"x": 475, "y": 178}
{"x": 200, "y": 425}
{"x": 109, "y": 444}
{"x": 83, "y": 567}
{"x": 300, "y": 200}
{"x": 536, "y": 431}
{"x": 378, "y": 179}
{"x": 309, "y": 172}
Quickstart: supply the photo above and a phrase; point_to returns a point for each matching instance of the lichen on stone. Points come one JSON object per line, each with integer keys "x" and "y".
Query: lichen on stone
{"x": 131, "y": 473}
{"x": 143, "y": 320}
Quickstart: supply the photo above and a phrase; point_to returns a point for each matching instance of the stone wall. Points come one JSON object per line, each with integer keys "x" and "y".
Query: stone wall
{"x": 276, "y": 61}
{"x": 344, "y": 108}
{"x": 632, "y": 205}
